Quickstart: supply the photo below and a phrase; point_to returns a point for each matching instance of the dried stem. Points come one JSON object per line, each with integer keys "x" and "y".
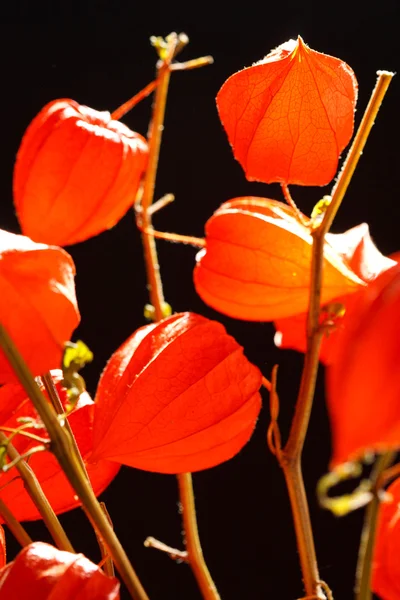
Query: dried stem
{"x": 173, "y": 553}
{"x": 357, "y": 147}
{"x": 193, "y": 546}
{"x": 304, "y": 220}
{"x": 195, "y": 555}
{"x": 364, "y": 564}
{"x": 14, "y": 525}
{"x": 290, "y": 457}
{"x": 62, "y": 447}
{"x": 58, "y": 407}
{"x": 119, "y": 112}
{"x": 38, "y": 497}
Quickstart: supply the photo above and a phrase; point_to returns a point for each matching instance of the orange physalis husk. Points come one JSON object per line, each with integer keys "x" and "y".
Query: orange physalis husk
{"x": 360, "y": 254}
{"x": 385, "y": 563}
{"x": 77, "y": 173}
{"x": 177, "y": 396}
{"x": 363, "y": 382}
{"x": 37, "y": 302}
{"x": 289, "y": 116}
{"x": 41, "y": 572}
{"x": 3, "y": 553}
{"x": 14, "y": 405}
{"x": 256, "y": 262}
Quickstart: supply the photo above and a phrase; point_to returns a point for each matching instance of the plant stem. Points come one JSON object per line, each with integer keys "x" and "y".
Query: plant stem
{"x": 290, "y": 458}
{"x": 364, "y": 563}
{"x": 58, "y": 407}
{"x": 62, "y": 447}
{"x": 14, "y": 525}
{"x": 195, "y": 554}
{"x": 357, "y": 147}
{"x": 155, "y": 135}
{"x": 193, "y": 546}
{"x": 35, "y": 491}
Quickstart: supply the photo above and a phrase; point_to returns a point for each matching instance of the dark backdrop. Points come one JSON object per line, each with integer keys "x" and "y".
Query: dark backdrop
{"x": 98, "y": 53}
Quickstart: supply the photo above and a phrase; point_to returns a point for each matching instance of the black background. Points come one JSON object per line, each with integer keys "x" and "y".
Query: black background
{"x": 98, "y": 53}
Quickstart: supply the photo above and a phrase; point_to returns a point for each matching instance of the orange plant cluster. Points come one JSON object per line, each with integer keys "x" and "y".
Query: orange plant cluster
{"x": 179, "y": 395}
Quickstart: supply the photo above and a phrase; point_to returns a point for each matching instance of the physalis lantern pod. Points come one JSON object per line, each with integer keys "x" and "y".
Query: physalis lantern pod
{"x": 363, "y": 379}
{"x": 359, "y": 252}
{"x": 14, "y": 406}
{"x": 3, "y": 552}
{"x": 37, "y": 302}
{"x": 41, "y": 572}
{"x": 77, "y": 173}
{"x": 177, "y": 396}
{"x": 385, "y": 562}
{"x": 289, "y": 116}
{"x": 256, "y": 262}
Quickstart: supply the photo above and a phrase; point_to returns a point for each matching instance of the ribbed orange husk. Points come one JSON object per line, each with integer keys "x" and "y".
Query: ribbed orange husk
{"x": 15, "y": 405}
{"x": 256, "y": 262}
{"x": 289, "y": 116}
{"x": 41, "y": 572}
{"x": 363, "y": 381}
{"x": 358, "y": 251}
{"x": 38, "y": 304}
{"x": 178, "y": 396}
{"x": 77, "y": 173}
{"x": 385, "y": 562}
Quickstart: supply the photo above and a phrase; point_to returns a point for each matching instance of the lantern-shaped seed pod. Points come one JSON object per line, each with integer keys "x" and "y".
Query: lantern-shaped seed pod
{"x": 14, "y": 406}
{"x": 42, "y": 572}
{"x": 177, "y": 396}
{"x": 77, "y": 172}
{"x": 38, "y": 305}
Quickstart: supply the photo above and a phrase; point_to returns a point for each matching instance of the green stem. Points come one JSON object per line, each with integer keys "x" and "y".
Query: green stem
{"x": 195, "y": 554}
{"x": 364, "y": 564}
{"x": 193, "y": 545}
{"x": 357, "y": 147}
{"x": 38, "y": 497}
{"x": 63, "y": 449}
{"x": 58, "y": 407}
{"x": 14, "y": 525}
{"x": 290, "y": 457}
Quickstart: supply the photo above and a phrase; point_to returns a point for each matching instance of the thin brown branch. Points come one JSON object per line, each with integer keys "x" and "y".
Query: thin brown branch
{"x": 14, "y": 525}
{"x": 143, "y": 213}
{"x": 37, "y": 496}
{"x": 58, "y": 407}
{"x": 357, "y": 147}
{"x": 63, "y": 450}
{"x": 193, "y": 546}
{"x": 173, "y": 553}
{"x": 364, "y": 563}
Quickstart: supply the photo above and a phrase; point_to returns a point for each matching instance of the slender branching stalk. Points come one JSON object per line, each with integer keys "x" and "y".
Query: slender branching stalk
{"x": 290, "y": 456}
{"x": 63, "y": 449}
{"x": 364, "y": 563}
{"x": 37, "y": 496}
{"x": 58, "y": 407}
{"x": 174, "y": 43}
{"x": 14, "y": 525}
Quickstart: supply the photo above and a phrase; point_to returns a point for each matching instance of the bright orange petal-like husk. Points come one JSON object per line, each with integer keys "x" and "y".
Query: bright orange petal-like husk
{"x": 13, "y": 405}
{"x": 177, "y": 396}
{"x": 38, "y": 305}
{"x": 363, "y": 382}
{"x": 289, "y": 116}
{"x": 385, "y": 563}
{"x": 256, "y": 262}
{"x": 41, "y": 572}
{"x": 358, "y": 251}
{"x": 77, "y": 173}
{"x": 3, "y": 553}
